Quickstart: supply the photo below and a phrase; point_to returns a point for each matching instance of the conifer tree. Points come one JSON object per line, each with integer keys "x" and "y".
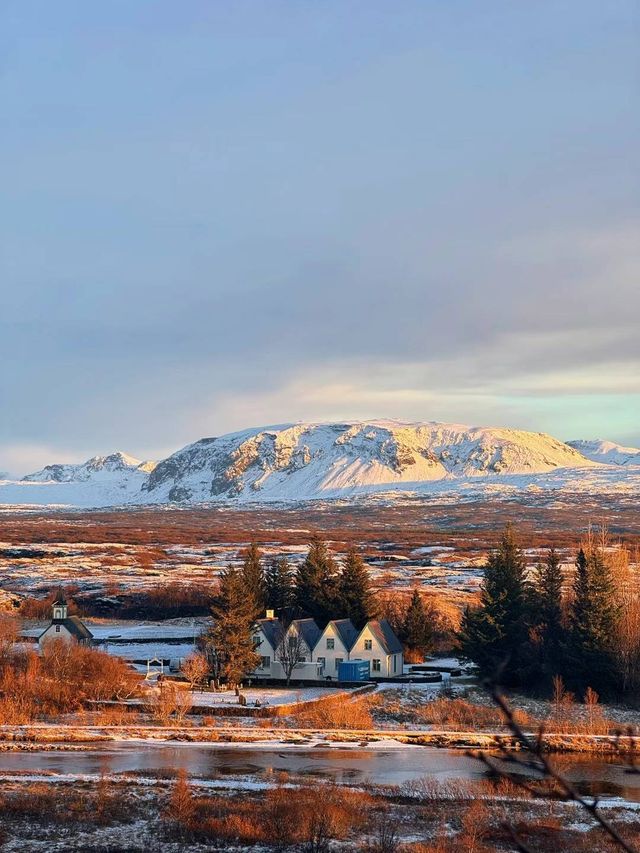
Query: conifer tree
{"x": 253, "y": 577}
{"x": 495, "y": 635}
{"x": 593, "y": 616}
{"x": 547, "y": 616}
{"x": 280, "y": 591}
{"x": 316, "y": 583}
{"x": 231, "y": 637}
{"x": 354, "y": 596}
{"x": 417, "y": 627}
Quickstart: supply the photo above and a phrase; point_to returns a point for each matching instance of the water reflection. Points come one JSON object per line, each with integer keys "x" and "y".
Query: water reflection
{"x": 342, "y": 765}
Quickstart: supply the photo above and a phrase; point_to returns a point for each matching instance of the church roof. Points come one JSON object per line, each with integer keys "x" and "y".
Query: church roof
{"x": 74, "y": 625}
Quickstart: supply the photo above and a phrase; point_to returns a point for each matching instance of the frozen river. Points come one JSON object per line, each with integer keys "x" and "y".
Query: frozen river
{"x": 383, "y": 766}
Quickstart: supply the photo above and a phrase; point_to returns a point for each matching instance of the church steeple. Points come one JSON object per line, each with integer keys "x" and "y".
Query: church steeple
{"x": 59, "y": 607}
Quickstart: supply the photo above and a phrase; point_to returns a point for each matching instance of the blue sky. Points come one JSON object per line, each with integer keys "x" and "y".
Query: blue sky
{"x": 223, "y": 214}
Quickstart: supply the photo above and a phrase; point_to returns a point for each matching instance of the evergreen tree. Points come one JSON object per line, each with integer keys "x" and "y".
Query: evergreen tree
{"x": 594, "y": 616}
{"x": 280, "y": 591}
{"x": 495, "y": 635}
{"x": 417, "y": 628}
{"x": 253, "y": 578}
{"x": 231, "y": 637}
{"x": 547, "y": 616}
{"x": 316, "y": 583}
{"x": 354, "y": 596}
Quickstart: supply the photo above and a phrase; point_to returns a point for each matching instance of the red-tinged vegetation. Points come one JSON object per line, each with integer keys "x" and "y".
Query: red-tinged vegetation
{"x": 60, "y": 680}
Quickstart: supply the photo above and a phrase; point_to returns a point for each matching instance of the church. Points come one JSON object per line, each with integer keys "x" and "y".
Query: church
{"x": 65, "y": 627}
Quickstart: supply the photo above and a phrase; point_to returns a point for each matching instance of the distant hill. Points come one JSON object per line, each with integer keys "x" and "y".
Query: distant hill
{"x": 608, "y": 452}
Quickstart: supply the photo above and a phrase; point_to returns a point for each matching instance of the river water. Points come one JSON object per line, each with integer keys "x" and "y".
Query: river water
{"x": 383, "y": 766}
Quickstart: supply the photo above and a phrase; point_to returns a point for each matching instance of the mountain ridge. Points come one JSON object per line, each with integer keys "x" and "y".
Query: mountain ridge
{"x": 316, "y": 460}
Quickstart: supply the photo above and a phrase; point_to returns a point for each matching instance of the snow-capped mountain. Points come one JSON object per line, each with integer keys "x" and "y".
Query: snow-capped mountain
{"x": 314, "y": 460}
{"x": 111, "y": 480}
{"x": 600, "y": 450}
{"x": 98, "y": 467}
{"x": 306, "y": 461}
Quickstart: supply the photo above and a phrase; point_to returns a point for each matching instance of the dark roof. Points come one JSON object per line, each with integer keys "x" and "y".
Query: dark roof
{"x": 272, "y": 629}
{"x": 60, "y": 599}
{"x": 346, "y": 631}
{"x": 385, "y": 635}
{"x": 308, "y": 630}
{"x": 74, "y": 625}
{"x": 77, "y": 628}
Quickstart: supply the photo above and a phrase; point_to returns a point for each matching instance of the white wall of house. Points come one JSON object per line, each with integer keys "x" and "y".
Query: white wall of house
{"x": 306, "y": 654}
{"x": 267, "y": 654}
{"x": 368, "y": 647}
{"x": 330, "y": 651}
{"x": 304, "y": 671}
{"x": 55, "y": 631}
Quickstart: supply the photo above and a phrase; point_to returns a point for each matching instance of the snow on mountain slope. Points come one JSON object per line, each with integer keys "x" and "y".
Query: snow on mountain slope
{"x": 301, "y": 461}
{"x": 306, "y": 461}
{"x": 600, "y": 450}
{"x": 98, "y": 467}
{"x": 100, "y": 481}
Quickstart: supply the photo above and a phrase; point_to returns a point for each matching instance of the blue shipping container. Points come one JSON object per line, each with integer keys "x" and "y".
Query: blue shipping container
{"x": 353, "y": 670}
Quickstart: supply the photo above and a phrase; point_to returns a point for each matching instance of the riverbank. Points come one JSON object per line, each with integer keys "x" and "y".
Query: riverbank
{"x": 61, "y": 737}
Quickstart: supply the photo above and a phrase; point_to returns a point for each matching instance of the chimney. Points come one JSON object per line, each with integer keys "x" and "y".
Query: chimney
{"x": 271, "y": 614}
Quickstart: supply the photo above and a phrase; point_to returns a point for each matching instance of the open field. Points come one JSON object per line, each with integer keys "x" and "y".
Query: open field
{"x": 437, "y": 546}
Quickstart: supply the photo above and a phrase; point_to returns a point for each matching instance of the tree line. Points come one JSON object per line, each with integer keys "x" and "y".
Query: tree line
{"x": 319, "y": 587}
{"x": 532, "y": 627}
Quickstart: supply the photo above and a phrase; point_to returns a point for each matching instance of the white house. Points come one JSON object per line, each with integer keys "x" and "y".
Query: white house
{"x": 269, "y": 635}
{"x": 334, "y": 646}
{"x": 378, "y": 644}
{"x": 320, "y": 653}
{"x": 65, "y": 627}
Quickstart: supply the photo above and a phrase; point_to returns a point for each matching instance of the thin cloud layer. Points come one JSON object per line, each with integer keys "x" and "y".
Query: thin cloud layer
{"x": 219, "y": 218}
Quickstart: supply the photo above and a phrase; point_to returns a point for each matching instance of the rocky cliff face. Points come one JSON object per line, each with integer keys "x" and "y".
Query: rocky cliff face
{"x": 301, "y": 461}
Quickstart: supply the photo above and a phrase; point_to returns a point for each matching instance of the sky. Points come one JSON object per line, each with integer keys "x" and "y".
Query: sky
{"x": 217, "y": 215}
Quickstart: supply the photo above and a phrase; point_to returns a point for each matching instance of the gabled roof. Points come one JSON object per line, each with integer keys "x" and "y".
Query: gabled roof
{"x": 74, "y": 625}
{"x": 346, "y": 630}
{"x": 272, "y": 629}
{"x": 308, "y": 630}
{"x": 385, "y": 635}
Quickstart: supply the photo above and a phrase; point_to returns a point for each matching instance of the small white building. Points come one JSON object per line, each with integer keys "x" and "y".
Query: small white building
{"x": 267, "y": 635}
{"x": 65, "y": 627}
{"x": 270, "y": 634}
{"x": 378, "y": 644}
{"x": 334, "y": 646}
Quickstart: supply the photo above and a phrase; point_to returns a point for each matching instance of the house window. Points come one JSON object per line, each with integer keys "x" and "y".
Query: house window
{"x": 57, "y": 629}
{"x": 265, "y": 662}
{"x": 257, "y": 640}
{"x": 338, "y": 662}
{"x": 368, "y": 645}
{"x": 331, "y": 643}
{"x": 376, "y": 665}
{"x": 322, "y": 662}
{"x": 395, "y": 663}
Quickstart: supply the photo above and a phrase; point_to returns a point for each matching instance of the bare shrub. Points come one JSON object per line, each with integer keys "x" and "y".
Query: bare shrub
{"x": 181, "y": 809}
{"x": 335, "y": 713}
{"x": 169, "y": 701}
{"x": 195, "y": 669}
